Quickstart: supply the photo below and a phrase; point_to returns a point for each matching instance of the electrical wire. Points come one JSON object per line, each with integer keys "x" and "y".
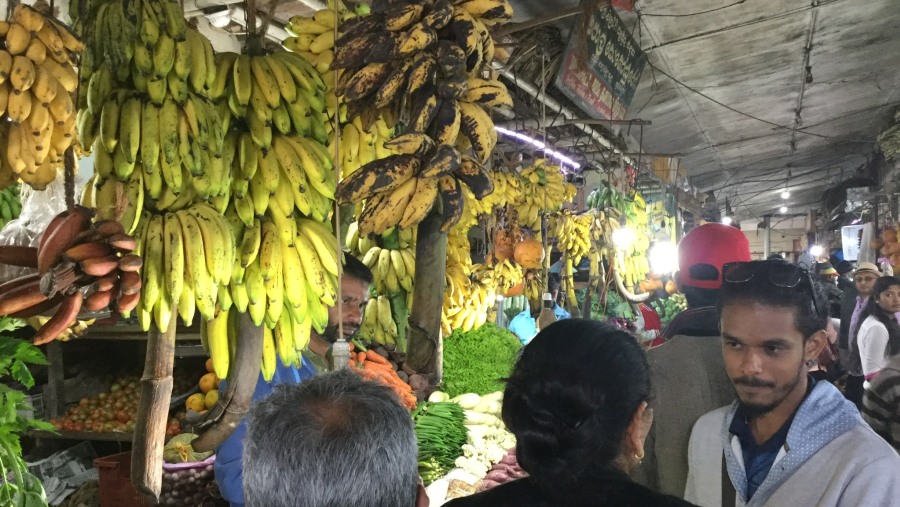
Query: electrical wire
{"x": 752, "y": 117}
{"x": 739, "y": 2}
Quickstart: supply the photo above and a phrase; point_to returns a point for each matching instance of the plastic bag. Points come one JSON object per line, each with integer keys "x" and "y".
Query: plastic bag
{"x": 38, "y": 208}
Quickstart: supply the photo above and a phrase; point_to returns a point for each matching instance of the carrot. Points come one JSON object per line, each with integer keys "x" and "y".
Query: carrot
{"x": 351, "y": 346}
{"x": 361, "y": 357}
{"x": 373, "y": 364}
{"x": 377, "y": 358}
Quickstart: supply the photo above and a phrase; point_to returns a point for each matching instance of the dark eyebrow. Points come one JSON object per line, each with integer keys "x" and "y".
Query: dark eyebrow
{"x": 777, "y": 342}
{"x": 726, "y": 336}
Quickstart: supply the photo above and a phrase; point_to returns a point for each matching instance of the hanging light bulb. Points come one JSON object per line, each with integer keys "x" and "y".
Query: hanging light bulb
{"x": 783, "y": 209}
{"x": 727, "y": 220}
{"x": 785, "y": 194}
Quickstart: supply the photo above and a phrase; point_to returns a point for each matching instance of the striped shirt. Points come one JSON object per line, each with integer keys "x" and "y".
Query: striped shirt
{"x": 881, "y": 403}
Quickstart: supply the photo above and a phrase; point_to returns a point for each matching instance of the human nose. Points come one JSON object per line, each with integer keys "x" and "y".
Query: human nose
{"x": 353, "y": 315}
{"x": 751, "y": 363}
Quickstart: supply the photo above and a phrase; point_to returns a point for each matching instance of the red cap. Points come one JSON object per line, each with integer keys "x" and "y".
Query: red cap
{"x": 713, "y": 245}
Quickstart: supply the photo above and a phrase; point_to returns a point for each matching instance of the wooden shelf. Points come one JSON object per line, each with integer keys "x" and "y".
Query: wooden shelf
{"x": 99, "y": 436}
{"x": 133, "y": 333}
{"x": 106, "y": 436}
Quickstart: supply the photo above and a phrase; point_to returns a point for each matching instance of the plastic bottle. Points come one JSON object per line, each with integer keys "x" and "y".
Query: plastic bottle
{"x": 547, "y": 315}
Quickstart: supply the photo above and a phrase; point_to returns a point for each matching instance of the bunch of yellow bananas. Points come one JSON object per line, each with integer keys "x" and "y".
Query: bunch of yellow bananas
{"x": 286, "y": 341}
{"x": 37, "y": 79}
{"x": 360, "y": 245}
{"x": 393, "y": 269}
{"x": 572, "y": 233}
{"x": 543, "y": 189}
{"x": 187, "y": 257}
{"x": 502, "y": 275}
{"x": 447, "y": 97}
{"x": 76, "y": 330}
{"x": 378, "y": 323}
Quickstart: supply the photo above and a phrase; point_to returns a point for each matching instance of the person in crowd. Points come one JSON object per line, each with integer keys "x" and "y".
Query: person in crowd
{"x": 579, "y": 425}
{"x": 354, "y": 293}
{"x": 355, "y": 281}
{"x": 878, "y": 333}
{"x": 687, "y": 369}
{"x": 828, "y": 277}
{"x": 332, "y": 441}
{"x": 524, "y": 325}
{"x": 881, "y": 403}
{"x": 787, "y": 439}
{"x": 852, "y": 304}
{"x": 845, "y": 275}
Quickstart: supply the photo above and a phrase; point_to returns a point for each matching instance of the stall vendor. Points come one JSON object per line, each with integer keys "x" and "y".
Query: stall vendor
{"x": 316, "y": 359}
{"x": 524, "y": 325}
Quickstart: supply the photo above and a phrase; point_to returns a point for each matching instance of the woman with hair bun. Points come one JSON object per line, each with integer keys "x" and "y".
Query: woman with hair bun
{"x": 577, "y": 402}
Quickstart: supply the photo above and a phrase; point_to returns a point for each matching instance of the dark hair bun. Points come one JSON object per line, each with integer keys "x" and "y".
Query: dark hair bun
{"x": 571, "y": 397}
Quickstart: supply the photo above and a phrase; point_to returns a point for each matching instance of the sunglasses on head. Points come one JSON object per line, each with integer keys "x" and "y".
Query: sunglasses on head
{"x": 775, "y": 272}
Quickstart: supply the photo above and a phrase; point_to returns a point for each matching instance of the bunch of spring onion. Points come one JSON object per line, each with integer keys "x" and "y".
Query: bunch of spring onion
{"x": 440, "y": 434}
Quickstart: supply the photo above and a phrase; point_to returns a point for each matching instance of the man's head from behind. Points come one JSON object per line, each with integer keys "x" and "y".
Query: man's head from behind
{"x": 331, "y": 441}
{"x": 701, "y": 255}
{"x": 773, "y": 319}
{"x": 355, "y": 282}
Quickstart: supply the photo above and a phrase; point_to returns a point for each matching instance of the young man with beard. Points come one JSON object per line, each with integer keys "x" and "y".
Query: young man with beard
{"x": 354, "y": 294}
{"x": 787, "y": 440}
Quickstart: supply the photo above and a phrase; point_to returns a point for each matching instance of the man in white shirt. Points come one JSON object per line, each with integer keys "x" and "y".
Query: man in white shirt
{"x": 864, "y": 279}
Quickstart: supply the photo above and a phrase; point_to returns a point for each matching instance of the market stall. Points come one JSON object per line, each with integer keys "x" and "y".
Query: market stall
{"x": 231, "y": 155}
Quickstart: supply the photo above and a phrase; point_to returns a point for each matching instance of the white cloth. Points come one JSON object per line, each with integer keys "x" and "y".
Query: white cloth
{"x": 872, "y": 341}
{"x": 831, "y": 458}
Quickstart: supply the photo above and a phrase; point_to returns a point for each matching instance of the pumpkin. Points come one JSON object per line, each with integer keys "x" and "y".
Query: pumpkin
{"x": 671, "y": 288}
{"x": 889, "y": 235}
{"x": 515, "y": 290}
{"x": 645, "y": 286}
{"x": 529, "y": 254}
{"x": 890, "y": 248}
{"x": 876, "y": 243}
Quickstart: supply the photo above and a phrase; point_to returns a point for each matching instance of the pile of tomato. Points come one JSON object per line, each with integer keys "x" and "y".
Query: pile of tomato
{"x": 114, "y": 410}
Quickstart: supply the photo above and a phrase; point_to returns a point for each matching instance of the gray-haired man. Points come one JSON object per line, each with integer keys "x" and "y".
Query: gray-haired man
{"x": 331, "y": 441}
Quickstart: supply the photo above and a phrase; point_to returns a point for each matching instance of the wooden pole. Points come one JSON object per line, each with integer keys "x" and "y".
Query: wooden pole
{"x": 423, "y": 348}
{"x": 153, "y": 412}
{"x": 234, "y": 403}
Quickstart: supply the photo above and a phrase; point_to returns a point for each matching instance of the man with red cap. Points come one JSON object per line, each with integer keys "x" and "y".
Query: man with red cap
{"x": 688, "y": 370}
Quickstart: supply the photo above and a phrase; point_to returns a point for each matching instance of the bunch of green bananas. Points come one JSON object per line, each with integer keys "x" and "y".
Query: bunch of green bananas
{"x": 10, "y": 205}
{"x": 393, "y": 269}
{"x": 187, "y": 262}
{"x": 543, "y": 189}
{"x": 37, "y": 78}
{"x": 360, "y": 245}
{"x": 180, "y": 150}
{"x": 378, "y": 324}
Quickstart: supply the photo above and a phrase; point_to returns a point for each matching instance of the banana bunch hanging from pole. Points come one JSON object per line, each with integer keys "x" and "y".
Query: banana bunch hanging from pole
{"x": 543, "y": 189}
{"x": 37, "y": 79}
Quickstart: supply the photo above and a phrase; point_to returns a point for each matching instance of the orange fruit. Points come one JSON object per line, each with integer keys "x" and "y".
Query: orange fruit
{"x": 196, "y": 402}
{"x": 211, "y": 398}
{"x": 209, "y": 365}
{"x": 208, "y": 381}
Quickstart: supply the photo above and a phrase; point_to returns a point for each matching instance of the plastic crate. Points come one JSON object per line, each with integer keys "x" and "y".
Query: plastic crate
{"x": 115, "y": 482}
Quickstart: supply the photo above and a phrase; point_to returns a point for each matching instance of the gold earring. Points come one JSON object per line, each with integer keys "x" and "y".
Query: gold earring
{"x": 640, "y": 459}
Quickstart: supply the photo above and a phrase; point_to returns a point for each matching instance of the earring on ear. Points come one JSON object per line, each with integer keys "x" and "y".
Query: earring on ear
{"x": 639, "y": 458}
{"x": 810, "y": 363}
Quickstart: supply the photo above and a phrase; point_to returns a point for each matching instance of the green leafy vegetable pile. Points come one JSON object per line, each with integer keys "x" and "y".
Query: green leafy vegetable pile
{"x": 20, "y": 488}
{"x": 477, "y": 361}
{"x": 440, "y": 435}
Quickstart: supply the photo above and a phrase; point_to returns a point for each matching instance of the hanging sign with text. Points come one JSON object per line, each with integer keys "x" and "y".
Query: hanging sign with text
{"x": 603, "y": 81}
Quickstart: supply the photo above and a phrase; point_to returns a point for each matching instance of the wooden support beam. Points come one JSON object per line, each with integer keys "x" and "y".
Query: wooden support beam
{"x": 153, "y": 412}
{"x": 234, "y": 403}
{"x": 423, "y": 349}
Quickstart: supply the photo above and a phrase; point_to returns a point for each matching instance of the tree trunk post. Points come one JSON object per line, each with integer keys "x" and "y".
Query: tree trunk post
{"x": 424, "y": 336}
{"x": 234, "y": 403}
{"x": 153, "y": 412}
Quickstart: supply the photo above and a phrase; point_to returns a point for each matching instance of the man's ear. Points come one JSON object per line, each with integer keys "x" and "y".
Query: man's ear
{"x": 422, "y": 497}
{"x": 815, "y": 344}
